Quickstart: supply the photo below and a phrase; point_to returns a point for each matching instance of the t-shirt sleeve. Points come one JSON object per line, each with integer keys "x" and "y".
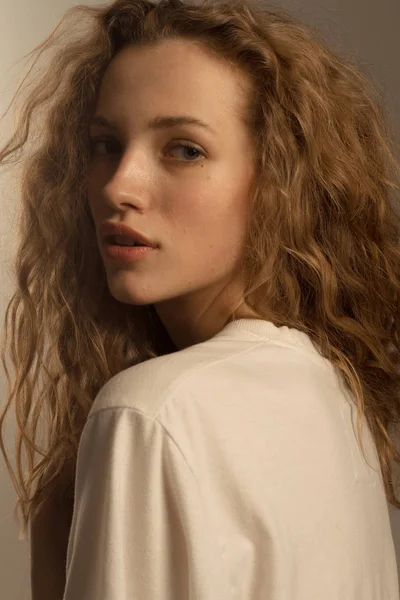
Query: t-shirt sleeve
{"x": 140, "y": 528}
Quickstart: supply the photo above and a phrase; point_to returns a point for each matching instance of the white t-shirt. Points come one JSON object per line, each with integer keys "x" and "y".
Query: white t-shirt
{"x": 229, "y": 470}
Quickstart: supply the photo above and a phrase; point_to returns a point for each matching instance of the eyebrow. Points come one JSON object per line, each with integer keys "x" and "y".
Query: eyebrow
{"x": 156, "y": 123}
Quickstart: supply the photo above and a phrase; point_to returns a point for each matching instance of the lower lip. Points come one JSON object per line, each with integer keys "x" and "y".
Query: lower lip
{"x": 127, "y": 253}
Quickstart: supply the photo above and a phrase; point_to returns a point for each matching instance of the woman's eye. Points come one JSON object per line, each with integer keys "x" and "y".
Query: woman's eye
{"x": 188, "y": 148}
{"x": 94, "y": 143}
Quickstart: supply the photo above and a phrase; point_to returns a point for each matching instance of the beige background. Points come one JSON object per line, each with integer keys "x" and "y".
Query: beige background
{"x": 367, "y": 29}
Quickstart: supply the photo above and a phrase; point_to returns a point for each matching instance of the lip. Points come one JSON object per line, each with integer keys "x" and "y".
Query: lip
{"x": 121, "y": 254}
{"x": 109, "y": 228}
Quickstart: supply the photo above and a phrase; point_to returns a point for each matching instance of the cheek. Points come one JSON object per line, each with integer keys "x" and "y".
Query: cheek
{"x": 93, "y": 191}
{"x": 217, "y": 209}
{"x": 214, "y": 224}
{"x": 99, "y": 175}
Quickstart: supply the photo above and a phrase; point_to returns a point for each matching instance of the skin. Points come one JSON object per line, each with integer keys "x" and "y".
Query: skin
{"x": 194, "y": 205}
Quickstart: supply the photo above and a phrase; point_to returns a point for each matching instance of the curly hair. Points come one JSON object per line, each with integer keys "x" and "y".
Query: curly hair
{"x": 321, "y": 254}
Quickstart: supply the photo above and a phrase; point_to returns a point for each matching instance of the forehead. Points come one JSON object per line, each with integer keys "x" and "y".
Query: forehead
{"x": 175, "y": 76}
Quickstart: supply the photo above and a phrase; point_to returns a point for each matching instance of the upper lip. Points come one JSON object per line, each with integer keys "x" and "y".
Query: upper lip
{"x": 110, "y": 229}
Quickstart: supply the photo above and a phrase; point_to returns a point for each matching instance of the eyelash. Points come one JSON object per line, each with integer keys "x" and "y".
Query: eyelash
{"x": 95, "y": 141}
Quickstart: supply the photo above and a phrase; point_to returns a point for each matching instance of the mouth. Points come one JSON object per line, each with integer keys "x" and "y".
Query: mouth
{"x": 116, "y": 240}
{"x": 126, "y": 253}
{"x": 119, "y": 234}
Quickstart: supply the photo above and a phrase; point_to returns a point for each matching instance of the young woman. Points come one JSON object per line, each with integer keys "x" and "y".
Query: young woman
{"x": 218, "y": 401}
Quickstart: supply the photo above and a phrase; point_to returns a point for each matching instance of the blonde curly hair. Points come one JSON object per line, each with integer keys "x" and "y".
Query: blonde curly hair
{"x": 322, "y": 253}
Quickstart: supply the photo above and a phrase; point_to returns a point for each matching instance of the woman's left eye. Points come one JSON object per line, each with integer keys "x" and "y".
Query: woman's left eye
{"x": 189, "y": 147}
{"x": 95, "y": 142}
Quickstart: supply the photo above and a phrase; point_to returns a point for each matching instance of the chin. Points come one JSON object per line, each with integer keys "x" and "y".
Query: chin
{"x": 127, "y": 297}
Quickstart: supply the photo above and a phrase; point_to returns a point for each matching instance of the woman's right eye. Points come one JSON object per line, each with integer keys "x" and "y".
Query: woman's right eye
{"x": 94, "y": 143}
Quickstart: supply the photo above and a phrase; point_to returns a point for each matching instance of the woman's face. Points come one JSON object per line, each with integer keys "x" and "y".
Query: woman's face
{"x": 193, "y": 202}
